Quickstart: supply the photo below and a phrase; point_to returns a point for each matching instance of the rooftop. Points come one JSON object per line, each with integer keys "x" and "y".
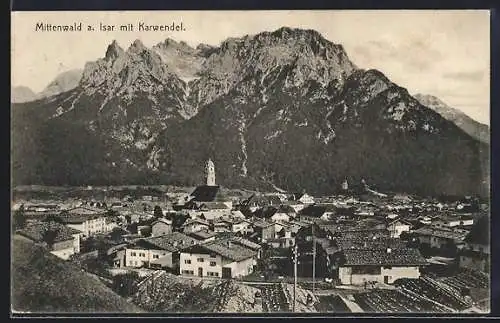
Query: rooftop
{"x": 227, "y": 248}
{"x": 441, "y": 233}
{"x": 203, "y": 234}
{"x": 170, "y": 242}
{"x": 396, "y": 257}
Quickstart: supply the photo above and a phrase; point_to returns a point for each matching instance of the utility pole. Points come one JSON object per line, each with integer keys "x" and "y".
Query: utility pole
{"x": 314, "y": 258}
{"x": 295, "y": 256}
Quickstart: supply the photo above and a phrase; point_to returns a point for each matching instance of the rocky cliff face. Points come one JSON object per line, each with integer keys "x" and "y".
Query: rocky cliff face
{"x": 475, "y": 129}
{"x": 285, "y": 108}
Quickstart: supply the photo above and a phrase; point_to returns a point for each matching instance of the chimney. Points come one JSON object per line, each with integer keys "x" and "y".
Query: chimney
{"x": 389, "y": 250}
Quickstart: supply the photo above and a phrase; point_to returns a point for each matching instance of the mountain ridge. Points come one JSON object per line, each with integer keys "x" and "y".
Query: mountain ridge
{"x": 286, "y": 107}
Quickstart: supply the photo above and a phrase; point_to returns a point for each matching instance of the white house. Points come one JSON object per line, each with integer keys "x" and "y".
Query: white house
{"x": 193, "y": 225}
{"x": 220, "y": 258}
{"x": 384, "y": 266}
{"x": 161, "y": 227}
{"x": 397, "y": 227}
{"x": 306, "y": 199}
{"x": 157, "y": 252}
{"x": 85, "y": 220}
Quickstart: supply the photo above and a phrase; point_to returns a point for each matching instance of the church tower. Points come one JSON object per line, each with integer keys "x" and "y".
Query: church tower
{"x": 210, "y": 172}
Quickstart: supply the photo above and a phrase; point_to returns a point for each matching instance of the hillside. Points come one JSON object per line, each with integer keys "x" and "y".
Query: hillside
{"x": 285, "y": 109}
{"x": 42, "y": 282}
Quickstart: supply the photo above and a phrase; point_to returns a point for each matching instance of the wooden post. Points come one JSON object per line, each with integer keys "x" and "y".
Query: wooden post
{"x": 295, "y": 254}
{"x": 314, "y": 259}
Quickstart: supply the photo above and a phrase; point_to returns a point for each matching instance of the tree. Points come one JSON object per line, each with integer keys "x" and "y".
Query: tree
{"x": 49, "y": 236}
{"x": 19, "y": 219}
{"x": 126, "y": 284}
{"x": 53, "y": 218}
{"x": 157, "y": 213}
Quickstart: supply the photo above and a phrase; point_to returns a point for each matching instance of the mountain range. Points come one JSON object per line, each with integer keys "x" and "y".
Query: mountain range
{"x": 63, "y": 82}
{"x": 472, "y": 127}
{"x": 284, "y": 109}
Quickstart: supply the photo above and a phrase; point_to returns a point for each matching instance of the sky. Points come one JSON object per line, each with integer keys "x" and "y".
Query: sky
{"x": 445, "y": 53}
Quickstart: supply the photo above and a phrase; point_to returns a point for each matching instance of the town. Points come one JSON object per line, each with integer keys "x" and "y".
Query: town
{"x": 212, "y": 249}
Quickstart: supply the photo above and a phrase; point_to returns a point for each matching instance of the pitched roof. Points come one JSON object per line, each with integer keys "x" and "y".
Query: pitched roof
{"x": 441, "y": 233}
{"x": 202, "y": 235}
{"x": 396, "y": 257}
{"x": 225, "y": 248}
{"x": 36, "y": 231}
{"x": 169, "y": 242}
{"x": 213, "y": 206}
{"x": 359, "y": 243}
{"x": 262, "y": 200}
{"x": 205, "y": 193}
{"x": 316, "y": 210}
{"x": 162, "y": 220}
{"x": 80, "y": 214}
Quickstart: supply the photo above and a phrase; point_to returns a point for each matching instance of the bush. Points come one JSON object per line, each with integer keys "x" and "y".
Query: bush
{"x": 126, "y": 284}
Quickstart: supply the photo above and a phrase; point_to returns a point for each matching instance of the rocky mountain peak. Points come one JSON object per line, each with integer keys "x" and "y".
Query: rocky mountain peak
{"x": 114, "y": 50}
{"x": 136, "y": 47}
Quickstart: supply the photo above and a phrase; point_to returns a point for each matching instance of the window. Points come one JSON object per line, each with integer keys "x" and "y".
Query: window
{"x": 187, "y": 261}
{"x": 213, "y": 263}
{"x": 188, "y": 272}
{"x": 141, "y": 254}
{"x": 213, "y": 255}
{"x": 156, "y": 256}
{"x": 212, "y": 274}
{"x": 133, "y": 254}
{"x": 200, "y": 260}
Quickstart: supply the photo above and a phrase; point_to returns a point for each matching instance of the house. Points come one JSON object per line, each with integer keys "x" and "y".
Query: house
{"x": 476, "y": 253}
{"x": 161, "y": 227}
{"x": 225, "y": 258}
{"x": 384, "y": 266}
{"x": 88, "y": 221}
{"x": 222, "y": 226}
{"x": 62, "y": 241}
{"x": 116, "y": 255}
{"x": 397, "y": 227}
{"x": 303, "y": 198}
{"x": 263, "y": 230}
{"x": 440, "y": 238}
{"x": 241, "y": 225}
{"x": 283, "y": 214}
{"x": 208, "y": 193}
{"x": 315, "y": 212}
{"x": 193, "y": 225}
{"x": 158, "y": 252}
{"x": 41, "y": 207}
{"x": 255, "y": 202}
{"x": 453, "y": 221}
{"x": 213, "y": 210}
{"x": 203, "y": 235}
{"x": 284, "y": 235}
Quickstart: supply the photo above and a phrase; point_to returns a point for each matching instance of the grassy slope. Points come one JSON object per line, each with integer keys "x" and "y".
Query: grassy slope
{"x": 42, "y": 282}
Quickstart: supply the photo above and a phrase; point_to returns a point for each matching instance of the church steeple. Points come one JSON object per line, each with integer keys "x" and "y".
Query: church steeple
{"x": 210, "y": 172}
